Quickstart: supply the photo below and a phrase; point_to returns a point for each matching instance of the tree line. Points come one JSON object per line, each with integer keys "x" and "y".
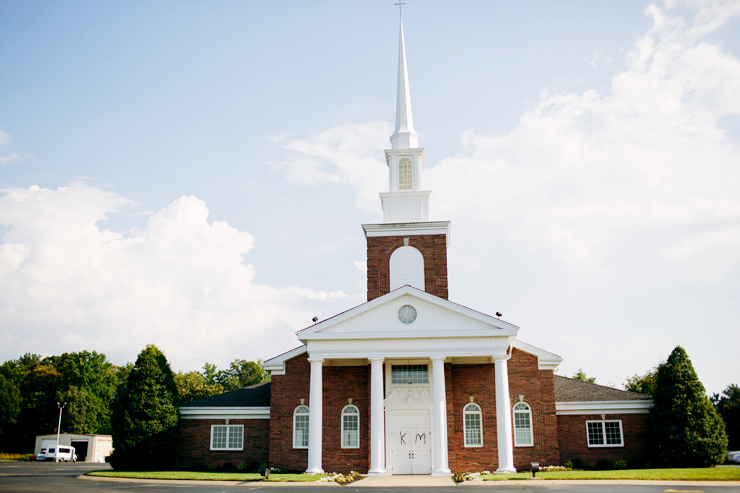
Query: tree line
{"x": 31, "y": 388}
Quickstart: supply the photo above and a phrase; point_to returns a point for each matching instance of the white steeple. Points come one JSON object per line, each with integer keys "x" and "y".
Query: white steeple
{"x": 404, "y": 137}
{"x": 405, "y": 201}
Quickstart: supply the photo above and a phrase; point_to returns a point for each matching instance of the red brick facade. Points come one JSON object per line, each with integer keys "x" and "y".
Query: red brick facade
{"x": 196, "y": 443}
{"x": 432, "y": 247}
{"x": 340, "y": 383}
{"x": 463, "y": 381}
{"x": 574, "y": 443}
{"x": 557, "y": 439}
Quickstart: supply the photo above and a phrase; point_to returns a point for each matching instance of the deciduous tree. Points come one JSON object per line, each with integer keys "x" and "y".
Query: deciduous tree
{"x": 728, "y": 406}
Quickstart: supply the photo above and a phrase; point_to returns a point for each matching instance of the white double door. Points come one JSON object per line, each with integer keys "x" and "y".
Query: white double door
{"x": 411, "y": 443}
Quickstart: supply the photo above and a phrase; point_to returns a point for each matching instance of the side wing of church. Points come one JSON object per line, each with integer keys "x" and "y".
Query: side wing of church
{"x": 410, "y": 382}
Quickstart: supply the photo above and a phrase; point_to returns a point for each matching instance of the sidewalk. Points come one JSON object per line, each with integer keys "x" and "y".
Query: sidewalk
{"x": 399, "y": 481}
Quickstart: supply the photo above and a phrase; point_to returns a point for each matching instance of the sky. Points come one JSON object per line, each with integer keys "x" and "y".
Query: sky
{"x": 194, "y": 174}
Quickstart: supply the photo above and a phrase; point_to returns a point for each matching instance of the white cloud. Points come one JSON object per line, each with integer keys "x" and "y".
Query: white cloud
{"x": 6, "y": 157}
{"x": 346, "y": 154}
{"x": 180, "y": 282}
{"x": 580, "y": 171}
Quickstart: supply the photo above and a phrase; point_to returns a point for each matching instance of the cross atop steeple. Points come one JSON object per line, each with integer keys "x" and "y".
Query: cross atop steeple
{"x": 400, "y": 13}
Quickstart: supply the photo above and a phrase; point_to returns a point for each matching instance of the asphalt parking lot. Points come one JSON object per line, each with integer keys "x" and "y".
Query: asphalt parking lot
{"x": 64, "y": 478}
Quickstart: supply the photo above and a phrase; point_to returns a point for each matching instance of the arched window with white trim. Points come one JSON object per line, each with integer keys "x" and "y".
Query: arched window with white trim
{"x": 300, "y": 427}
{"x": 523, "y": 425}
{"x": 350, "y": 427}
{"x": 472, "y": 425}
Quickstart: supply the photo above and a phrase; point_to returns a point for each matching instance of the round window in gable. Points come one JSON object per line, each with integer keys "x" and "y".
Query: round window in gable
{"x": 407, "y": 314}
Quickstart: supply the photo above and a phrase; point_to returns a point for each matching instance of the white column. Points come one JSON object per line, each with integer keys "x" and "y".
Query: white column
{"x": 314, "y": 417}
{"x": 377, "y": 419}
{"x": 439, "y": 431}
{"x": 503, "y": 418}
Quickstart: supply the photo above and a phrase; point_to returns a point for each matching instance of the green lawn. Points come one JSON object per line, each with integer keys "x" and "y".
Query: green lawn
{"x": 206, "y": 476}
{"x": 698, "y": 474}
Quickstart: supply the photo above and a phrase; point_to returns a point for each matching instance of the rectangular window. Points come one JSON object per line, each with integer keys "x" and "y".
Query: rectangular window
{"x": 473, "y": 437}
{"x": 227, "y": 437}
{"x": 409, "y": 374}
{"x": 604, "y": 433}
{"x": 350, "y": 431}
{"x": 300, "y": 437}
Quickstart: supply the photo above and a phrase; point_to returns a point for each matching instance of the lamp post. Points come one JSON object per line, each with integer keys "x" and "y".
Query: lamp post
{"x": 59, "y": 427}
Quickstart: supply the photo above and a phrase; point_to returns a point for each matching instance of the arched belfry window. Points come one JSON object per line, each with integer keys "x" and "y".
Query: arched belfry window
{"x": 407, "y": 267}
{"x": 472, "y": 425}
{"x": 522, "y": 425}
{"x": 405, "y": 179}
{"x": 350, "y": 427}
{"x": 300, "y": 427}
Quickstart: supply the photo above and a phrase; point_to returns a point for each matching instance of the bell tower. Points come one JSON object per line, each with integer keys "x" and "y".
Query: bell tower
{"x": 407, "y": 248}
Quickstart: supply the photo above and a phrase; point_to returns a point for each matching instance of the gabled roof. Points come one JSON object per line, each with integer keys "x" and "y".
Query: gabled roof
{"x": 478, "y": 324}
{"x": 583, "y": 398}
{"x": 571, "y": 390}
{"x": 253, "y": 396}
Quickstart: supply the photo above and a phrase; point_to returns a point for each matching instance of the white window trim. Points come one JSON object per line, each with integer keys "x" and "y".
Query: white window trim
{"x": 429, "y": 375}
{"x": 479, "y": 412}
{"x": 531, "y": 425}
{"x": 228, "y": 434}
{"x": 295, "y": 413}
{"x": 358, "y": 426}
{"x": 603, "y": 432}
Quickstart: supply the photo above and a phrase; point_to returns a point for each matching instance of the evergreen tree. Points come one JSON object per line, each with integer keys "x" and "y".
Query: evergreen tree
{"x": 685, "y": 429}
{"x": 728, "y": 406}
{"x": 145, "y": 416}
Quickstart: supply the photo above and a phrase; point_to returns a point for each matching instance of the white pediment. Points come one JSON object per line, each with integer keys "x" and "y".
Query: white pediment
{"x": 435, "y": 318}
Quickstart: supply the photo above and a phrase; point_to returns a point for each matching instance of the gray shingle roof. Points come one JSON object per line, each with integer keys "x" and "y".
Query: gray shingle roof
{"x": 254, "y": 396}
{"x": 570, "y": 390}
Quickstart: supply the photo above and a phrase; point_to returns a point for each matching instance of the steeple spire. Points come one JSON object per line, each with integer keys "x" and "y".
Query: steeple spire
{"x": 404, "y": 136}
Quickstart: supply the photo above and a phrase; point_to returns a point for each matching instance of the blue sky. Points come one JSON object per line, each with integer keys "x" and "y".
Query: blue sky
{"x": 194, "y": 174}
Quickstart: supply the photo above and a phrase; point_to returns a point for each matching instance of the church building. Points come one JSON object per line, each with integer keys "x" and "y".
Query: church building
{"x": 410, "y": 382}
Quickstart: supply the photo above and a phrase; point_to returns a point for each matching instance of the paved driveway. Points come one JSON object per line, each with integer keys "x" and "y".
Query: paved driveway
{"x": 48, "y": 477}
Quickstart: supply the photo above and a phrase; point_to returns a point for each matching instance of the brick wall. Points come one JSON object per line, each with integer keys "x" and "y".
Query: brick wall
{"x": 525, "y": 379}
{"x": 340, "y": 383}
{"x": 285, "y": 394}
{"x": 196, "y": 443}
{"x": 574, "y": 443}
{"x": 432, "y": 247}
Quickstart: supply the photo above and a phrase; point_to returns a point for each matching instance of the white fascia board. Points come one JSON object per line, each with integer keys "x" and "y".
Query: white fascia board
{"x": 411, "y": 229}
{"x": 416, "y": 334}
{"x": 545, "y": 359}
{"x": 312, "y": 331}
{"x": 604, "y": 407}
{"x": 225, "y": 412}
{"x": 419, "y": 151}
{"x": 276, "y": 365}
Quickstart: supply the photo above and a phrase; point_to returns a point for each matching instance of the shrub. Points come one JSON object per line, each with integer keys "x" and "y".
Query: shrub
{"x": 576, "y": 463}
{"x": 620, "y": 464}
{"x": 603, "y": 465}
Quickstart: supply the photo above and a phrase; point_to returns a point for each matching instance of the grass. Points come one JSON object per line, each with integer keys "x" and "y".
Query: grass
{"x": 206, "y": 476}
{"x": 688, "y": 474}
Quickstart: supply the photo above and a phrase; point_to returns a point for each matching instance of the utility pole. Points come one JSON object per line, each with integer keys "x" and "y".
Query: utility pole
{"x": 59, "y": 427}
